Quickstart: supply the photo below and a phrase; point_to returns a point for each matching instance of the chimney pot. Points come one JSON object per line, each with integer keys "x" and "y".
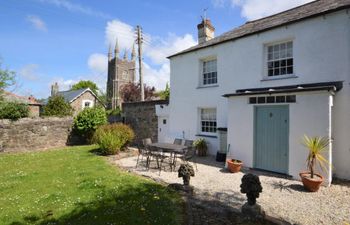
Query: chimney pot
{"x": 205, "y": 31}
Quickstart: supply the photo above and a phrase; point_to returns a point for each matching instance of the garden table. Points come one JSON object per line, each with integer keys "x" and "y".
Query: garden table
{"x": 173, "y": 149}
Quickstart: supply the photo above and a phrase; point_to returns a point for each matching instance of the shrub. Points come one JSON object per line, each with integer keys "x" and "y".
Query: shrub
{"x": 57, "y": 106}
{"x": 88, "y": 120}
{"x": 113, "y": 138}
{"x": 13, "y": 110}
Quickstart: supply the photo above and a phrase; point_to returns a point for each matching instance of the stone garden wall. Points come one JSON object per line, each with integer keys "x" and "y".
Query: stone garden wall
{"x": 31, "y": 134}
{"x": 141, "y": 116}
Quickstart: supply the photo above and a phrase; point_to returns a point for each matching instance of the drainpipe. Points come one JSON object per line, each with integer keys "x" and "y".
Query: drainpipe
{"x": 330, "y": 136}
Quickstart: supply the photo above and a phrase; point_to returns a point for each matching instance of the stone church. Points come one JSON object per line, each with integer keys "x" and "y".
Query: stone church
{"x": 120, "y": 71}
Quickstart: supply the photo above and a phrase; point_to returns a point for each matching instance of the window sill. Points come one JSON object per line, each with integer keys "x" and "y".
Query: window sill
{"x": 281, "y": 77}
{"x": 206, "y": 135}
{"x": 208, "y": 86}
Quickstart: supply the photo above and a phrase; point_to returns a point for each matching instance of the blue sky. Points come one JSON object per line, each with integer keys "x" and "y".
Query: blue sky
{"x": 65, "y": 41}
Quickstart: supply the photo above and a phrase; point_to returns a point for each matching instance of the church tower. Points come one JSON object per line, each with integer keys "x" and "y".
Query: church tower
{"x": 120, "y": 71}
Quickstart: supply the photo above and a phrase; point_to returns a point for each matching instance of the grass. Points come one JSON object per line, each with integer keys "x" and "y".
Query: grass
{"x": 75, "y": 186}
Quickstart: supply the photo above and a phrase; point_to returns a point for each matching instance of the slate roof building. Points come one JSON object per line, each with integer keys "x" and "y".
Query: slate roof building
{"x": 78, "y": 99}
{"x": 269, "y": 82}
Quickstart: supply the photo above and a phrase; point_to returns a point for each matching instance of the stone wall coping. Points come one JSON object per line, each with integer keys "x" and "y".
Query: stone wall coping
{"x": 35, "y": 119}
{"x": 154, "y": 102}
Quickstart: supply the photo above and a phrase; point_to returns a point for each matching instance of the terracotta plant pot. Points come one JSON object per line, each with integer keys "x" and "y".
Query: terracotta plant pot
{"x": 311, "y": 184}
{"x": 234, "y": 165}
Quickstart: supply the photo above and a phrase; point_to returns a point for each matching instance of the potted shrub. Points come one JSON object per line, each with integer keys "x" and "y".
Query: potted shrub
{"x": 316, "y": 146}
{"x": 234, "y": 165}
{"x": 186, "y": 171}
{"x": 201, "y": 146}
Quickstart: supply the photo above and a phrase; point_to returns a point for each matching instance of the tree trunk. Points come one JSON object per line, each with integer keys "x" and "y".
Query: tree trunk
{"x": 312, "y": 165}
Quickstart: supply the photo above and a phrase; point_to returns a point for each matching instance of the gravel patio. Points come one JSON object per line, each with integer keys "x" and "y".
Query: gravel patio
{"x": 282, "y": 198}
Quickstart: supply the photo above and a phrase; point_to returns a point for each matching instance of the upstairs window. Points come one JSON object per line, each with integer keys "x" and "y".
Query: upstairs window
{"x": 208, "y": 120}
{"x": 280, "y": 59}
{"x": 209, "y": 70}
{"x": 87, "y": 104}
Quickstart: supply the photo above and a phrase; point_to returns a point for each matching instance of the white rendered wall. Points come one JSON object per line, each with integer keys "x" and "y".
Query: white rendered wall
{"x": 309, "y": 115}
{"x": 321, "y": 53}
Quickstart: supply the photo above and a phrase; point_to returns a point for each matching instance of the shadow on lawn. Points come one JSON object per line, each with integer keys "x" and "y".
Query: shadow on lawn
{"x": 146, "y": 203}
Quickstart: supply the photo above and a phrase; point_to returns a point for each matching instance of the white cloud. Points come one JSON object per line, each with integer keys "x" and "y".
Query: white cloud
{"x": 73, "y": 7}
{"x": 63, "y": 84}
{"x": 37, "y": 22}
{"x": 29, "y": 72}
{"x": 124, "y": 32}
{"x": 156, "y": 77}
{"x": 256, "y": 9}
{"x": 160, "y": 48}
{"x": 98, "y": 63}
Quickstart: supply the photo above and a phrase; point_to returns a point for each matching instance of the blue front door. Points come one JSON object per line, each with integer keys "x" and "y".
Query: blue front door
{"x": 271, "y": 138}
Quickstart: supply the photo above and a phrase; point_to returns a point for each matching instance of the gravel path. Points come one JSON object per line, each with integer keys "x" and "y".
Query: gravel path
{"x": 281, "y": 198}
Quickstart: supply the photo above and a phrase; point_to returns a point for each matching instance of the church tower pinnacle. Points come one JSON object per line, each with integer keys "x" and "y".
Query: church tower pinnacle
{"x": 133, "y": 53}
{"x": 125, "y": 55}
{"x": 116, "y": 49}
{"x": 110, "y": 53}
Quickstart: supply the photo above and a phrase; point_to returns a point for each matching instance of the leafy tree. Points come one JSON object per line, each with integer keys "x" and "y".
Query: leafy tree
{"x": 130, "y": 92}
{"x": 165, "y": 95}
{"x": 88, "y": 120}
{"x": 86, "y": 84}
{"x": 7, "y": 78}
{"x": 13, "y": 110}
{"x": 57, "y": 106}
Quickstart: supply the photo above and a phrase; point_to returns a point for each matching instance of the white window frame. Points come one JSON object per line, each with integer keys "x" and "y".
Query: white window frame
{"x": 209, "y": 119}
{"x": 211, "y": 70}
{"x": 270, "y": 57}
{"x": 87, "y": 101}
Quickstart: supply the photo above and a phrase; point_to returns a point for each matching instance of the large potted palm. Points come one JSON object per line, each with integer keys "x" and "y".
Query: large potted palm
{"x": 316, "y": 146}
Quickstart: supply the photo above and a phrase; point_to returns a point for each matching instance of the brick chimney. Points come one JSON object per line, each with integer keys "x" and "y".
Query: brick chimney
{"x": 205, "y": 31}
{"x": 54, "y": 89}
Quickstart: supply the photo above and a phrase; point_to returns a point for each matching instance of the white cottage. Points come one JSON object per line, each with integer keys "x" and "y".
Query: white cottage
{"x": 269, "y": 82}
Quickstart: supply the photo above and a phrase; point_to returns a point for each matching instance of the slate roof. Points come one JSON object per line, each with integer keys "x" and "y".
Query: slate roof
{"x": 71, "y": 95}
{"x": 312, "y": 9}
{"x": 12, "y": 97}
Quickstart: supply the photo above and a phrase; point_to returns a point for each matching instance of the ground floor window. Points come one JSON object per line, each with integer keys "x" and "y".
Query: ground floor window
{"x": 208, "y": 120}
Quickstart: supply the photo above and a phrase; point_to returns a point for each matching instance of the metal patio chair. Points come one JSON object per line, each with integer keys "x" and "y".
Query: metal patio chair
{"x": 178, "y": 141}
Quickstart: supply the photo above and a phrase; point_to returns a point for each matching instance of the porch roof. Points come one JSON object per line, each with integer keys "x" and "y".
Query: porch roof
{"x": 324, "y": 86}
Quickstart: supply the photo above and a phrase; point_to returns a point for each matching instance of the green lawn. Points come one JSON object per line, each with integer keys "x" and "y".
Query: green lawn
{"x": 75, "y": 186}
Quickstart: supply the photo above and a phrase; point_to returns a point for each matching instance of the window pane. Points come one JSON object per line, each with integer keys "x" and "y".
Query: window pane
{"x": 280, "y": 99}
{"x": 270, "y": 49}
{"x": 270, "y": 99}
{"x": 269, "y": 56}
{"x": 261, "y": 100}
{"x": 283, "y": 71}
{"x": 270, "y": 73}
{"x": 290, "y": 70}
{"x": 283, "y": 62}
{"x": 291, "y": 98}
{"x": 252, "y": 100}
